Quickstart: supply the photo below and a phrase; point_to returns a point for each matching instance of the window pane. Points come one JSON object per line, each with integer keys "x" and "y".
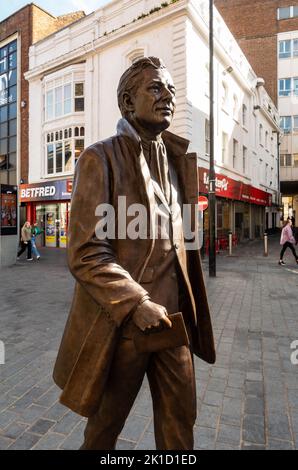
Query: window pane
{"x": 50, "y": 104}
{"x": 67, "y": 91}
{"x": 12, "y": 177}
{"x": 12, "y": 144}
{"x": 295, "y": 123}
{"x": 295, "y": 158}
{"x": 12, "y": 77}
{"x": 3, "y": 177}
{"x": 82, "y": 131}
{"x": 13, "y": 127}
{"x": 3, "y": 113}
{"x": 12, "y": 60}
{"x": 50, "y": 158}
{"x": 284, "y": 13}
{"x": 79, "y": 147}
{"x": 67, "y": 156}
{"x": 12, "y": 94}
{"x": 285, "y": 87}
{"x": 3, "y": 161}
{"x": 3, "y": 64}
{"x": 3, "y": 146}
{"x": 3, "y": 52}
{"x": 59, "y": 157}
{"x": 79, "y": 89}
{"x": 295, "y": 11}
{"x": 3, "y": 129}
{"x": 12, "y": 160}
{"x": 67, "y": 106}
{"x": 79, "y": 104}
{"x": 12, "y": 111}
{"x": 67, "y": 99}
{"x": 12, "y": 46}
{"x": 284, "y": 49}
{"x": 58, "y": 101}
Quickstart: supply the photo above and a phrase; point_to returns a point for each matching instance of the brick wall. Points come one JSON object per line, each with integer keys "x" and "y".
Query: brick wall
{"x": 32, "y": 24}
{"x": 254, "y": 24}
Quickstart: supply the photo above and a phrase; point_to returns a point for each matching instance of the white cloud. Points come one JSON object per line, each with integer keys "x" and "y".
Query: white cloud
{"x": 87, "y": 5}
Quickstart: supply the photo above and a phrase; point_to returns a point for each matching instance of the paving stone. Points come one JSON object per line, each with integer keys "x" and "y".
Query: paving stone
{"x": 14, "y": 430}
{"x": 278, "y": 426}
{"x": 275, "y": 444}
{"x": 253, "y": 429}
{"x": 66, "y": 423}
{"x": 25, "y": 442}
{"x": 208, "y": 416}
{"x": 41, "y": 426}
{"x": 134, "y": 428}
{"x": 50, "y": 441}
{"x": 204, "y": 438}
{"x": 147, "y": 442}
{"x": 229, "y": 434}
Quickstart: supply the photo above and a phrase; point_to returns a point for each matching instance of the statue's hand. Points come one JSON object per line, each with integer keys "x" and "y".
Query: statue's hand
{"x": 150, "y": 314}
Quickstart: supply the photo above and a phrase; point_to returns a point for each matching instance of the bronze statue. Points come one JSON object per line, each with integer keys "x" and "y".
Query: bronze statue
{"x": 127, "y": 284}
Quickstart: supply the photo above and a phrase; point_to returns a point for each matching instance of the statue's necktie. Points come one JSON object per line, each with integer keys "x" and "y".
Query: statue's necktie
{"x": 156, "y": 156}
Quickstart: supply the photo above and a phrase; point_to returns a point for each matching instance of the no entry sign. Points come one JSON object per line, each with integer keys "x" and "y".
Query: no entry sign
{"x": 203, "y": 203}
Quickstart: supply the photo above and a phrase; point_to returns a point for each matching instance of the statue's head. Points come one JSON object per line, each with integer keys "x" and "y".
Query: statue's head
{"x": 146, "y": 95}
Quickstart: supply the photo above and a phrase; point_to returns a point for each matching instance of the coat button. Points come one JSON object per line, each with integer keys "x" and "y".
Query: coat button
{"x": 176, "y": 246}
{"x": 173, "y": 275}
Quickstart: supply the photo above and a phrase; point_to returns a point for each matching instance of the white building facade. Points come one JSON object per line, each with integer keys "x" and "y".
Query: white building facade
{"x": 73, "y": 79}
{"x": 288, "y": 108}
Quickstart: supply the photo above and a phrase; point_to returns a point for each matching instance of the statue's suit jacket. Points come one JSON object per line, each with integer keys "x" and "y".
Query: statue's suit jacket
{"x": 108, "y": 272}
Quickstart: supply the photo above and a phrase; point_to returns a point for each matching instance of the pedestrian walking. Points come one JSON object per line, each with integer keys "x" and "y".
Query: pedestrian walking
{"x": 34, "y": 233}
{"x": 287, "y": 240}
{"x": 26, "y": 241}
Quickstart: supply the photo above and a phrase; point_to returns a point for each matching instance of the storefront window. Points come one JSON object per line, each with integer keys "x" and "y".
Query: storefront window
{"x": 8, "y": 112}
{"x": 53, "y": 221}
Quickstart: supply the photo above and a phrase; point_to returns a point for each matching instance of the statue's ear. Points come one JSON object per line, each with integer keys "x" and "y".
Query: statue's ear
{"x": 128, "y": 102}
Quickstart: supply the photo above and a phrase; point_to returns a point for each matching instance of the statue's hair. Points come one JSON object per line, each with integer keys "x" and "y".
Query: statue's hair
{"x": 129, "y": 81}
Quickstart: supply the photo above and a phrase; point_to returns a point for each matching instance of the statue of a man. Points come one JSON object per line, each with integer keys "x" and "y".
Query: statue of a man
{"x": 135, "y": 283}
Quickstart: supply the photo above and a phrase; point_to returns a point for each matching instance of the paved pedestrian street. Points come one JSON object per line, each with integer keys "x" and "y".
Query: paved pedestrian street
{"x": 247, "y": 400}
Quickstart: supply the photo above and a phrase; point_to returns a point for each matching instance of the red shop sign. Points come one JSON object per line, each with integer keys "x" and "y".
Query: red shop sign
{"x": 231, "y": 189}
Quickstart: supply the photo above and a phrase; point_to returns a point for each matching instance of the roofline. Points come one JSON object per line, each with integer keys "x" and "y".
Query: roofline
{"x": 26, "y": 6}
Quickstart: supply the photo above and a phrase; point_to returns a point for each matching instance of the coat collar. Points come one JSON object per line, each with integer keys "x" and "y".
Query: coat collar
{"x": 175, "y": 145}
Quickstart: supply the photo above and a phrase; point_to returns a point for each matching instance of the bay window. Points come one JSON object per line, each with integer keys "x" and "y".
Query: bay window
{"x": 63, "y": 148}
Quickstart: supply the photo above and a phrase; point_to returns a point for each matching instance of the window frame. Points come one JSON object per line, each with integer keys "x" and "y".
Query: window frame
{"x": 282, "y": 55}
{"x": 288, "y": 91}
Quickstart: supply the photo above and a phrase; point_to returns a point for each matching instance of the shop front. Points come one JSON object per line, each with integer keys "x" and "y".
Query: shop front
{"x": 48, "y": 204}
{"x": 240, "y": 208}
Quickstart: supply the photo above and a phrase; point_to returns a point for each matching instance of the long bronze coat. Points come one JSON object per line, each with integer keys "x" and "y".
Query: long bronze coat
{"x": 108, "y": 272}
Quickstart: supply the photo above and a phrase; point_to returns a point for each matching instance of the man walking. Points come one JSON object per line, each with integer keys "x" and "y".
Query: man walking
{"x": 135, "y": 284}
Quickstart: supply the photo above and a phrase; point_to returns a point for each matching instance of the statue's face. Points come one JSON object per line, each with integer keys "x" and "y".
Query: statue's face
{"x": 154, "y": 101}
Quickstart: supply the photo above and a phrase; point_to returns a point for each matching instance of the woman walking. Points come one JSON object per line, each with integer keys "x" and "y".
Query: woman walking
{"x": 287, "y": 240}
{"x": 26, "y": 241}
{"x": 34, "y": 233}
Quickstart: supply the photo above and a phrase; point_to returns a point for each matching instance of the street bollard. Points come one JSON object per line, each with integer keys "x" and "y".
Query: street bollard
{"x": 230, "y": 243}
{"x": 265, "y": 244}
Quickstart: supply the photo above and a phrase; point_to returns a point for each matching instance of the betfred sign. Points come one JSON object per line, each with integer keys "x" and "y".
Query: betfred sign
{"x": 231, "y": 189}
{"x": 54, "y": 190}
{"x": 203, "y": 203}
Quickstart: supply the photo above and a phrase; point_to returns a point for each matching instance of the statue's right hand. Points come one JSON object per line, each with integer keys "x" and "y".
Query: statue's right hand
{"x": 150, "y": 314}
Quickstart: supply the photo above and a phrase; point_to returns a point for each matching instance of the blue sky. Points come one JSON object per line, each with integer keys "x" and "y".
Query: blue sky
{"x": 56, "y": 7}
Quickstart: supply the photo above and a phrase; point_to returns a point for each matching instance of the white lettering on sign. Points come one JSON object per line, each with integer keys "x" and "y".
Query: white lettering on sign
{"x": 221, "y": 184}
{"x": 40, "y": 191}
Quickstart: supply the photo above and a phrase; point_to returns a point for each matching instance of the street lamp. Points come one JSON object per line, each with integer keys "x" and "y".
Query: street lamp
{"x": 212, "y": 200}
